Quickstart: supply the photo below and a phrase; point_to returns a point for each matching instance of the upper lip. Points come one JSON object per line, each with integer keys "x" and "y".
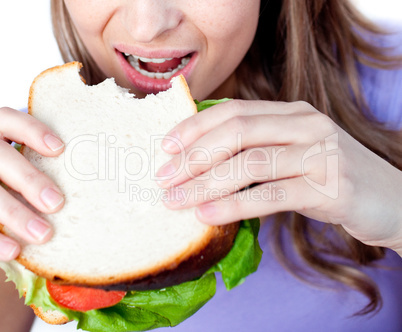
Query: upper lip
{"x": 153, "y": 54}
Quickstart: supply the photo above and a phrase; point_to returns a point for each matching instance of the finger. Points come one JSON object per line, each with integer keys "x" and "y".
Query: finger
{"x": 25, "y": 129}
{"x": 192, "y": 128}
{"x": 231, "y": 137}
{"x": 252, "y": 166}
{"x": 22, "y": 221}
{"x": 21, "y": 176}
{"x": 9, "y": 249}
{"x": 265, "y": 199}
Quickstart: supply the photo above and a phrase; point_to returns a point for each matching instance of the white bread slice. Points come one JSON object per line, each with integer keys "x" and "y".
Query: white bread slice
{"x": 112, "y": 233}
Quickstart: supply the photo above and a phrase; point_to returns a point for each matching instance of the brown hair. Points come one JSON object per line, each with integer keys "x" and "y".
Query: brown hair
{"x": 70, "y": 44}
{"x": 303, "y": 50}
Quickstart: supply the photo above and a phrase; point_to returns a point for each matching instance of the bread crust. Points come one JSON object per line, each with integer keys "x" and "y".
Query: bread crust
{"x": 74, "y": 64}
{"x": 189, "y": 269}
{"x": 52, "y": 317}
{"x": 191, "y": 264}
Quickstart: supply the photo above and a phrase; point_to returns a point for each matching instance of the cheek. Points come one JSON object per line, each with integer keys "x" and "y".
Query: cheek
{"x": 229, "y": 32}
{"x": 231, "y": 21}
{"x": 89, "y": 16}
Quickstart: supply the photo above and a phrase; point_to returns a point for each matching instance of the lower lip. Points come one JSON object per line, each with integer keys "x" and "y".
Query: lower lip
{"x": 152, "y": 85}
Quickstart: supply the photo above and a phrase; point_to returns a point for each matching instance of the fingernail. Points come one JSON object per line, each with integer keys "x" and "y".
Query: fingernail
{"x": 51, "y": 198}
{"x": 171, "y": 142}
{"x": 7, "y": 249}
{"x": 38, "y": 229}
{"x": 206, "y": 211}
{"x": 53, "y": 142}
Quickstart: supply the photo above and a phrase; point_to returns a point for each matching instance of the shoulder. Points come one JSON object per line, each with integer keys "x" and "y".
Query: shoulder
{"x": 382, "y": 88}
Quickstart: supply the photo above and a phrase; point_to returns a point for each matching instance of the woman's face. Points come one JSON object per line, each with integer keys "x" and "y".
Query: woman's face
{"x": 142, "y": 43}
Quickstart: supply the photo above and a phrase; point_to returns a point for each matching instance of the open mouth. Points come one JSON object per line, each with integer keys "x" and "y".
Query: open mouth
{"x": 157, "y": 68}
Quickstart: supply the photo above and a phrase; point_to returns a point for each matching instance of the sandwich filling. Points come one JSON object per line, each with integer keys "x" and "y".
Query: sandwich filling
{"x": 158, "y": 68}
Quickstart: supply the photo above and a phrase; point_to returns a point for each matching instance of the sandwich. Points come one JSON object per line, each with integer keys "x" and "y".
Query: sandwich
{"x": 120, "y": 260}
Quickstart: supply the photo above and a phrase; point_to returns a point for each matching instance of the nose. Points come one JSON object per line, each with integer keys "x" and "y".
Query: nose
{"x": 146, "y": 20}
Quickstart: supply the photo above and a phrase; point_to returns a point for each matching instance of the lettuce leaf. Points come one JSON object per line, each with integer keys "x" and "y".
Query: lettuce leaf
{"x": 202, "y": 105}
{"x": 146, "y": 310}
{"x": 244, "y": 257}
{"x": 33, "y": 287}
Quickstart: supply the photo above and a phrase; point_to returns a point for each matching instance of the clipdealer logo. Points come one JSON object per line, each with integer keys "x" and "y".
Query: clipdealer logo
{"x": 126, "y": 165}
{"x": 327, "y": 148}
{"x": 202, "y": 194}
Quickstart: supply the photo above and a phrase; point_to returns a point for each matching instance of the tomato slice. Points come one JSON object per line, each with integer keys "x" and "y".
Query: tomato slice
{"x": 83, "y": 298}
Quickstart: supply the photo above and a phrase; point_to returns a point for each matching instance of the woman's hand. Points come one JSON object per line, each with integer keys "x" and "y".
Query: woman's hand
{"x": 18, "y": 174}
{"x": 295, "y": 158}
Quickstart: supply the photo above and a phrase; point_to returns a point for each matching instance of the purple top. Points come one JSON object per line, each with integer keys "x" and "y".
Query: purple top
{"x": 274, "y": 300}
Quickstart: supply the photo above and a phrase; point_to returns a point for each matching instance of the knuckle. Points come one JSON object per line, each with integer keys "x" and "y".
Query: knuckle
{"x": 236, "y": 207}
{"x": 237, "y": 106}
{"x": 256, "y": 164}
{"x": 191, "y": 122}
{"x": 13, "y": 212}
{"x": 32, "y": 176}
{"x": 237, "y": 124}
{"x": 33, "y": 126}
{"x": 3, "y": 144}
{"x": 35, "y": 129}
{"x": 324, "y": 126}
{"x": 198, "y": 154}
{"x": 303, "y": 106}
{"x": 258, "y": 154}
{"x": 221, "y": 171}
{"x": 4, "y": 111}
{"x": 29, "y": 128}
{"x": 3, "y": 137}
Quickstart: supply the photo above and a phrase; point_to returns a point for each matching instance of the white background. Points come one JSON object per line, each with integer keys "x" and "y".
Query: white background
{"x": 28, "y": 46}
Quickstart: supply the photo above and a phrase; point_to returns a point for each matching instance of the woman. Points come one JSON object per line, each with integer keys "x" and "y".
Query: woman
{"x": 319, "y": 52}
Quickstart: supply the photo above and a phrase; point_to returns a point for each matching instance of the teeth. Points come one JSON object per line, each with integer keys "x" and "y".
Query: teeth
{"x": 134, "y": 61}
{"x": 154, "y": 60}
